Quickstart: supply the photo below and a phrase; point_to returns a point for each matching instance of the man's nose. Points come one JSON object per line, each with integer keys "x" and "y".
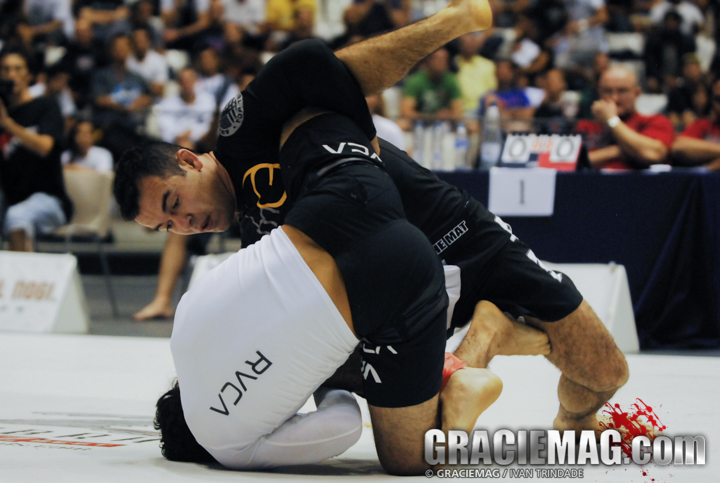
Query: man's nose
{"x": 183, "y": 221}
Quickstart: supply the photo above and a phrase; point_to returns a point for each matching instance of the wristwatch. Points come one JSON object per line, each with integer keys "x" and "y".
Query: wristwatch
{"x": 613, "y": 121}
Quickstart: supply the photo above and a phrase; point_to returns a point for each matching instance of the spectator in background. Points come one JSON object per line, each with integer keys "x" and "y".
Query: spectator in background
{"x": 56, "y": 86}
{"x": 106, "y": 16}
{"x": 141, "y": 17}
{"x": 531, "y": 59}
{"x": 386, "y": 129}
{"x": 186, "y": 118}
{"x": 49, "y": 21}
{"x": 691, "y": 18}
{"x": 248, "y": 14}
{"x": 31, "y": 131}
{"x": 664, "y": 51}
{"x": 550, "y": 17}
{"x": 506, "y": 12}
{"x": 589, "y": 91}
{"x": 83, "y": 154}
{"x": 212, "y": 80}
{"x": 699, "y": 143}
{"x": 690, "y": 99}
{"x": 280, "y": 14}
{"x": 620, "y": 137}
{"x": 557, "y": 113}
{"x": 371, "y": 17}
{"x": 147, "y": 63}
{"x": 85, "y": 55}
{"x": 583, "y": 35}
{"x": 476, "y": 74}
{"x": 120, "y": 98}
{"x": 303, "y": 29}
{"x": 432, "y": 92}
{"x": 184, "y": 20}
{"x": 512, "y": 100}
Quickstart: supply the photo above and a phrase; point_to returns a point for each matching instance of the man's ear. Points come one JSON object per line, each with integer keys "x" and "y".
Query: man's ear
{"x": 187, "y": 158}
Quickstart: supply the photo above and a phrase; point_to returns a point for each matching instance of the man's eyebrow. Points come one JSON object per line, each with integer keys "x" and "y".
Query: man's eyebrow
{"x": 164, "y": 207}
{"x": 164, "y": 201}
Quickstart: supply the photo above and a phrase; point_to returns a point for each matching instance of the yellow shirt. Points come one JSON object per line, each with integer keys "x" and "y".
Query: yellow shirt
{"x": 281, "y": 13}
{"x": 476, "y": 78}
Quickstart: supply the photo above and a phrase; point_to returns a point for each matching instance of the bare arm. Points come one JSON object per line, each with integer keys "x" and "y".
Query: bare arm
{"x": 601, "y": 157}
{"x": 641, "y": 148}
{"x": 693, "y": 152}
{"x": 381, "y": 62}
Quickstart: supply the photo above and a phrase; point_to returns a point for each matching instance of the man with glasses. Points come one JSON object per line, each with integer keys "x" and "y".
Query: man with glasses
{"x": 620, "y": 137}
{"x": 699, "y": 143}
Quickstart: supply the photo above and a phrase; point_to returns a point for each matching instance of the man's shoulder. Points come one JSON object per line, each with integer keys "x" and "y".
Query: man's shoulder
{"x": 640, "y": 121}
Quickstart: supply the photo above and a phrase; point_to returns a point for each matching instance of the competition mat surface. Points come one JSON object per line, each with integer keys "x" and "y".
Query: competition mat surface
{"x": 80, "y": 408}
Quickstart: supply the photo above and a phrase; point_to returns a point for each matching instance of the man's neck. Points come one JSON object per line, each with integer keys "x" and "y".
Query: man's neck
{"x": 140, "y": 56}
{"x": 20, "y": 99}
{"x": 224, "y": 177}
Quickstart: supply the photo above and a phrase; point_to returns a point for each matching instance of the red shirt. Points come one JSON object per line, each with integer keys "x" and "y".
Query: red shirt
{"x": 597, "y": 135}
{"x": 703, "y": 128}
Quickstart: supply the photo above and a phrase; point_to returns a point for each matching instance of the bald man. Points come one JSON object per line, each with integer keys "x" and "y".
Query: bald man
{"x": 620, "y": 137}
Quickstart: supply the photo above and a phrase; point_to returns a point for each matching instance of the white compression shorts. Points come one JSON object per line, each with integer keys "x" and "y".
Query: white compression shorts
{"x": 252, "y": 340}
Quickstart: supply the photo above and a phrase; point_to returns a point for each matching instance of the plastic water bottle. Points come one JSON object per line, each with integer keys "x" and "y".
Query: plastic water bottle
{"x": 492, "y": 138}
{"x": 461, "y": 146}
{"x": 437, "y": 158}
{"x": 418, "y": 142}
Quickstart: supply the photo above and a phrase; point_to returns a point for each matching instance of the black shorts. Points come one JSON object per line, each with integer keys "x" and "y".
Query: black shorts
{"x": 394, "y": 280}
{"x": 512, "y": 277}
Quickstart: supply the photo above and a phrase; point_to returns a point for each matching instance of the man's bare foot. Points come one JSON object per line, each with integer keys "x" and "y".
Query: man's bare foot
{"x": 468, "y": 393}
{"x": 154, "y": 310}
{"x": 473, "y": 15}
{"x": 506, "y": 337}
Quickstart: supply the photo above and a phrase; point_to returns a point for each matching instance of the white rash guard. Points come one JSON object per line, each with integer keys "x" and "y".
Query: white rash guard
{"x": 252, "y": 340}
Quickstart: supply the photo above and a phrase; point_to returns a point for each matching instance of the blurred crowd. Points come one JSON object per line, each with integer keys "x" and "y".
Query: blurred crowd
{"x": 122, "y": 71}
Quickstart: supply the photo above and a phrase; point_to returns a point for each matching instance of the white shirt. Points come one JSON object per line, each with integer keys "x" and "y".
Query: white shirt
{"x": 248, "y": 13}
{"x": 153, "y": 68}
{"x": 97, "y": 158}
{"x": 389, "y": 131}
{"x": 252, "y": 340}
{"x": 176, "y": 116}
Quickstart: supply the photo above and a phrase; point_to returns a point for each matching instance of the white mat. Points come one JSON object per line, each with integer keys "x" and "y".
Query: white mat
{"x": 93, "y": 391}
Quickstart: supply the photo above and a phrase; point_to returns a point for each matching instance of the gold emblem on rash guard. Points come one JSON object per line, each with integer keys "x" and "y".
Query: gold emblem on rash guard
{"x": 252, "y": 172}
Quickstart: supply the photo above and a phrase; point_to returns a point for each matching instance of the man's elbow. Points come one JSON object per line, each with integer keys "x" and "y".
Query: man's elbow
{"x": 653, "y": 155}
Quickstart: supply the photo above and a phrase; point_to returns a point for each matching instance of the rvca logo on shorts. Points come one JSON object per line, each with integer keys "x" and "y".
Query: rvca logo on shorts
{"x": 232, "y": 116}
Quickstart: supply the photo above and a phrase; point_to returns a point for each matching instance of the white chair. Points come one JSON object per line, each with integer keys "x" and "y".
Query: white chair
{"x": 91, "y": 194}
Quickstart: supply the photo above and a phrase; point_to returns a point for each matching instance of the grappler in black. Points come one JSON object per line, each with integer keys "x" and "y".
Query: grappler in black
{"x": 191, "y": 193}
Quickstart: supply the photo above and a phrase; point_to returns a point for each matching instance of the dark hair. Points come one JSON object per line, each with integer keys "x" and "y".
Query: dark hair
{"x": 177, "y": 442}
{"x": 151, "y": 159}
{"x": 22, "y": 52}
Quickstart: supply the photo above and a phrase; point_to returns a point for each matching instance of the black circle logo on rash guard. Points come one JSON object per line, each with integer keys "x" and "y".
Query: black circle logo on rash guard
{"x": 232, "y": 116}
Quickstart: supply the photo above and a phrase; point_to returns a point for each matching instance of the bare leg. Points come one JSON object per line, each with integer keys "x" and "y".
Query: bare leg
{"x": 399, "y": 432}
{"x": 171, "y": 265}
{"x": 592, "y": 366}
{"x": 20, "y": 242}
{"x": 492, "y": 333}
{"x": 381, "y": 62}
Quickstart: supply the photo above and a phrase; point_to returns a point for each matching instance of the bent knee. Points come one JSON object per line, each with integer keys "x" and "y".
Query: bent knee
{"x": 612, "y": 375}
